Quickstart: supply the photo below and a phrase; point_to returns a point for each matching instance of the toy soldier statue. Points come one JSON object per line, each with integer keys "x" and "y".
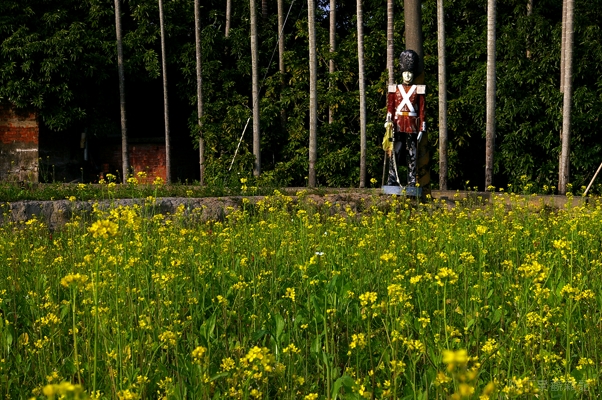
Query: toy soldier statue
{"x": 405, "y": 120}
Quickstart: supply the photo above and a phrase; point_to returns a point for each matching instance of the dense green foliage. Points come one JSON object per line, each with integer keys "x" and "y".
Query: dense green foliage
{"x": 60, "y": 57}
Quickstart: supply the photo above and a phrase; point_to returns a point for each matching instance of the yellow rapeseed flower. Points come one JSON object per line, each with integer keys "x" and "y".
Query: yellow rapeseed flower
{"x": 442, "y": 379}
{"x": 198, "y": 354}
{"x": 127, "y": 394}
{"x": 74, "y": 279}
{"x": 168, "y": 338}
{"x": 292, "y": 349}
{"x": 397, "y": 294}
{"x": 358, "y": 340}
{"x": 481, "y": 230}
{"x": 464, "y": 391}
{"x": 489, "y": 347}
{"x": 290, "y": 294}
{"x": 388, "y": 257}
{"x": 103, "y": 228}
{"x": 64, "y": 389}
{"x": 446, "y": 274}
{"x": 455, "y": 358}
{"x": 368, "y": 297}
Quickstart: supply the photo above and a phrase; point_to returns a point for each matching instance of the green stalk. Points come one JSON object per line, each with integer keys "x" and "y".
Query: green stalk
{"x": 74, "y": 331}
{"x": 95, "y": 327}
{"x": 445, "y": 315}
{"x": 370, "y": 351}
{"x": 328, "y": 372}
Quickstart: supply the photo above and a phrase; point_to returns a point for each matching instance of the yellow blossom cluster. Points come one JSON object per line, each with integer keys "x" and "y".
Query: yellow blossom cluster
{"x": 74, "y": 279}
{"x": 358, "y": 340}
{"x": 446, "y": 275}
{"x": 103, "y": 229}
{"x": 64, "y": 390}
{"x": 198, "y": 354}
{"x": 168, "y": 339}
{"x": 367, "y": 298}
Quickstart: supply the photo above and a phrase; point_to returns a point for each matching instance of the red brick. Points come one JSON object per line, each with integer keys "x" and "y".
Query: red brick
{"x": 18, "y": 127}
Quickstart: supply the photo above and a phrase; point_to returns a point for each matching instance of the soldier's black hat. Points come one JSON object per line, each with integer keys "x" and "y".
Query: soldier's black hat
{"x": 409, "y": 61}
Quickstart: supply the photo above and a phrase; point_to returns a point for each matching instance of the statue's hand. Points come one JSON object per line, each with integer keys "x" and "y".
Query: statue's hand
{"x": 419, "y": 136}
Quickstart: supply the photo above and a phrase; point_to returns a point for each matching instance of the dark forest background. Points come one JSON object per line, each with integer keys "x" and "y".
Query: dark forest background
{"x": 59, "y": 56}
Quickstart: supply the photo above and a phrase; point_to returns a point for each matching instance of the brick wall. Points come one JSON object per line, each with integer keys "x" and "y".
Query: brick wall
{"x": 149, "y": 158}
{"x": 144, "y": 157}
{"x": 19, "y": 144}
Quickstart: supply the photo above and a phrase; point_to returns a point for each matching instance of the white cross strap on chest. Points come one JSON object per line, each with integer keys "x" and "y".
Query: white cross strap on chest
{"x": 405, "y": 100}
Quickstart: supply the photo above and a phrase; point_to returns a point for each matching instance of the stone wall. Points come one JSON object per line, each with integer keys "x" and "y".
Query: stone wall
{"x": 19, "y": 144}
{"x": 57, "y": 213}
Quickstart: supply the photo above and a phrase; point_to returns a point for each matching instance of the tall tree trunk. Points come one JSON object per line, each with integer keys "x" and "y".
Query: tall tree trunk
{"x": 125, "y": 160}
{"x": 281, "y": 59}
{"x": 413, "y": 32}
{"x": 566, "y": 103}
{"x": 529, "y": 13}
{"x": 165, "y": 96}
{"x": 563, "y": 45}
{"x": 199, "y": 89}
{"x": 255, "y": 78}
{"x": 413, "y": 36}
{"x": 391, "y": 41}
{"x": 360, "y": 57}
{"x": 333, "y": 45}
{"x": 562, "y": 58}
{"x": 442, "y": 97}
{"x": 228, "y": 15}
{"x": 490, "y": 119}
{"x": 313, "y": 98}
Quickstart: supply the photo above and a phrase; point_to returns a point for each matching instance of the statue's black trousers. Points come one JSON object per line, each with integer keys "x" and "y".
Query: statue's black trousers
{"x": 411, "y": 140}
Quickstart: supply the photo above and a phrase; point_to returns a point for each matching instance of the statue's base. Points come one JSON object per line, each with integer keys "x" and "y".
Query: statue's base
{"x": 403, "y": 190}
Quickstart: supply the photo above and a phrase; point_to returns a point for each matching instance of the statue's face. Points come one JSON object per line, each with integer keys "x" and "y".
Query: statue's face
{"x": 407, "y": 77}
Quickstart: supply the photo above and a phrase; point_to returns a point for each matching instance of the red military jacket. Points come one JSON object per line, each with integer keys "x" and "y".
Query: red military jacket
{"x": 405, "y": 104}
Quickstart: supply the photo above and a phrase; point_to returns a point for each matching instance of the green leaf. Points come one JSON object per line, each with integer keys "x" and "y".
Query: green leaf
{"x": 345, "y": 382}
{"x": 8, "y": 340}
{"x": 208, "y": 327}
{"x": 279, "y": 326}
{"x": 258, "y": 335}
{"x": 497, "y": 315}
{"x": 316, "y": 345}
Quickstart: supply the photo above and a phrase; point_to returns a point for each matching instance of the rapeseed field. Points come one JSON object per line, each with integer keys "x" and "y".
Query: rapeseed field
{"x": 287, "y": 299}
